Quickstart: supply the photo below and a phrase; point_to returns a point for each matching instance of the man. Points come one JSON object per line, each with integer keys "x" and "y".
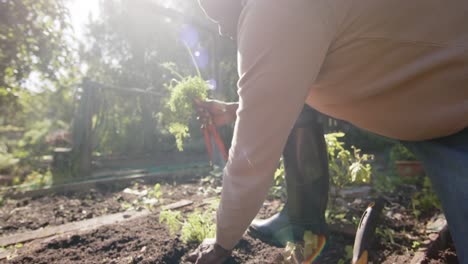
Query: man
{"x": 388, "y": 66}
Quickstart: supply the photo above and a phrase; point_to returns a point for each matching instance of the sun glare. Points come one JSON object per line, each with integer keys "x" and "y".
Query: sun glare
{"x": 80, "y": 10}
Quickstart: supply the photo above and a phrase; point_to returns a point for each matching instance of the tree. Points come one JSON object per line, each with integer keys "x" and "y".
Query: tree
{"x": 32, "y": 39}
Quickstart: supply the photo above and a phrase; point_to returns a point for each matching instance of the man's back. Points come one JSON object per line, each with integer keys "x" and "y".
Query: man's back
{"x": 398, "y": 68}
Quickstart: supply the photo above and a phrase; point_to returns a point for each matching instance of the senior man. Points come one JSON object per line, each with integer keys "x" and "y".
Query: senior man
{"x": 397, "y": 68}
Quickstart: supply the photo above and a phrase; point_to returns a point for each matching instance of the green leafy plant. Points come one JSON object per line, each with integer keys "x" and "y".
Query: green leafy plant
{"x": 172, "y": 219}
{"x": 387, "y": 234}
{"x": 155, "y": 192}
{"x": 400, "y": 152}
{"x": 198, "y": 226}
{"x": 7, "y": 160}
{"x": 194, "y": 228}
{"x": 348, "y": 256}
{"x": 346, "y": 167}
{"x": 179, "y": 107}
{"x": 36, "y": 180}
{"x": 278, "y": 189}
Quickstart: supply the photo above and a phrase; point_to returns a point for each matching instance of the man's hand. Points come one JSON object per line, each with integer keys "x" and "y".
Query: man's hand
{"x": 218, "y": 112}
{"x": 209, "y": 253}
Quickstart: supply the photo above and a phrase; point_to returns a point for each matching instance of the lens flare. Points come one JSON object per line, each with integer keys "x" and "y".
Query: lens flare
{"x": 322, "y": 241}
{"x": 189, "y": 35}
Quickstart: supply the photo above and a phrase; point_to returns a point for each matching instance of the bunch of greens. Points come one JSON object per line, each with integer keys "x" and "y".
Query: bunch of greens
{"x": 180, "y": 108}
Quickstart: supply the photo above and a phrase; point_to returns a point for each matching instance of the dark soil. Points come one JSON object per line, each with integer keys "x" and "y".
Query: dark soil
{"x": 30, "y": 214}
{"x": 145, "y": 240}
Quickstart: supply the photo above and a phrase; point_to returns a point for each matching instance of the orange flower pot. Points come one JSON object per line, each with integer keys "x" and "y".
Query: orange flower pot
{"x": 409, "y": 168}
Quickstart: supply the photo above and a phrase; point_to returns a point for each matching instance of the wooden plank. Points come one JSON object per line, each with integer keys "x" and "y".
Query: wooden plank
{"x": 117, "y": 173}
{"x": 177, "y": 205}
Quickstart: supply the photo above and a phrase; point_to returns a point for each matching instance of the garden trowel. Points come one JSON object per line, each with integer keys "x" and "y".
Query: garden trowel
{"x": 365, "y": 232}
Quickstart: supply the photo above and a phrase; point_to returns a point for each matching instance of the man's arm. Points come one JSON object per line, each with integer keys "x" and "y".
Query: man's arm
{"x": 282, "y": 45}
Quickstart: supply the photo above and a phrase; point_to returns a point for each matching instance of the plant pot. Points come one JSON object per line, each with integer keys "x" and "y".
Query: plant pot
{"x": 409, "y": 168}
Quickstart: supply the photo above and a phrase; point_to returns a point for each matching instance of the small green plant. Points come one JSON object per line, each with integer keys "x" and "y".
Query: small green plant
{"x": 416, "y": 245}
{"x": 278, "y": 189}
{"x": 348, "y": 256}
{"x": 7, "y": 160}
{"x": 386, "y": 234}
{"x": 346, "y": 167}
{"x": 36, "y": 180}
{"x": 172, "y": 219}
{"x": 198, "y": 226}
{"x": 400, "y": 152}
{"x": 425, "y": 200}
{"x": 385, "y": 183}
{"x": 194, "y": 228}
{"x": 155, "y": 192}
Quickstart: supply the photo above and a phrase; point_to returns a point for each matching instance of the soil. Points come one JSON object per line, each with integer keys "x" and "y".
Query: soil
{"x": 31, "y": 214}
{"x": 145, "y": 240}
{"x": 20, "y": 215}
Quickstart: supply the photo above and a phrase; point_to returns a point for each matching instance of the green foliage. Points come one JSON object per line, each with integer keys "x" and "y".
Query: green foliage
{"x": 34, "y": 141}
{"x": 194, "y": 228}
{"x": 38, "y": 71}
{"x": 180, "y": 108}
{"x": 36, "y": 180}
{"x": 346, "y": 167}
{"x": 349, "y": 255}
{"x": 416, "y": 245}
{"x": 385, "y": 183}
{"x": 172, "y": 219}
{"x": 198, "y": 226}
{"x": 400, "y": 152}
{"x": 33, "y": 40}
{"x": 386, "y": 234}
{"x": 426, "y": 200}
{"x": 155, "y": 192}
{"x": 7, "y": 160}
{"x": 278, "y": 189}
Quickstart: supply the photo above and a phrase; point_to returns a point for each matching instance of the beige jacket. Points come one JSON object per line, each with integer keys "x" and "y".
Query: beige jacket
{"x": 398, "y": 68}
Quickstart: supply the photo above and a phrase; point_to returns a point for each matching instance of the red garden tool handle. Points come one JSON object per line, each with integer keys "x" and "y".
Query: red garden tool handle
{"x": 219, "y": 142}
{"x": 206, "y": 135}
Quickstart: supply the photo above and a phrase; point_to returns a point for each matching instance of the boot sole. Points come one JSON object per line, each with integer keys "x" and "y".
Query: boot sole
{"x": 267, "y": 239}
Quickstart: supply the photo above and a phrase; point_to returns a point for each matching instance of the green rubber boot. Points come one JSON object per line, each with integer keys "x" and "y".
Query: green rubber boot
{"x": 307, "y": 181}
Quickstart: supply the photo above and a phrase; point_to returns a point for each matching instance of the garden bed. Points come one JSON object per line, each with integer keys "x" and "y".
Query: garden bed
{"x": 145, "y": 240}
